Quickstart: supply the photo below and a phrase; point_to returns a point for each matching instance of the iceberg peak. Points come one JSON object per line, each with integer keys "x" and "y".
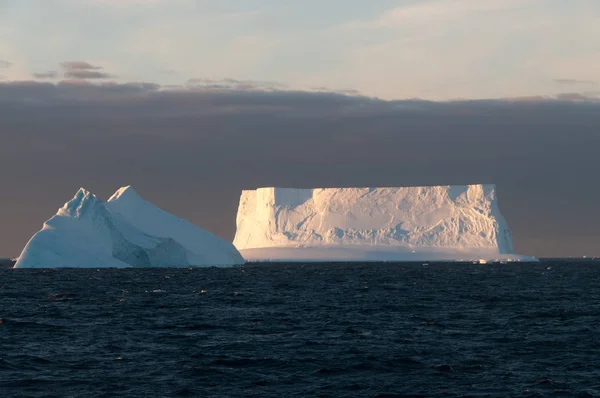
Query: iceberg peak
{"x": 125, "y": 193}
{"x": 81, "y": 204}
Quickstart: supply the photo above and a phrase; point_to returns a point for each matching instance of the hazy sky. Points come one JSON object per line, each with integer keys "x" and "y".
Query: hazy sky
{"x": 392, "y": 49}
{"x": 193, "y": 101}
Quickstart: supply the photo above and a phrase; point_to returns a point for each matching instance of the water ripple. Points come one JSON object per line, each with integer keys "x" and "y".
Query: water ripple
{"x": 378, "y": 330}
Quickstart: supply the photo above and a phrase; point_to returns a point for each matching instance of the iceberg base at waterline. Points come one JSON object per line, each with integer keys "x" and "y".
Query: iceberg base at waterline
{"x": 126, "y": 231}
{"x": 357, "y": 253}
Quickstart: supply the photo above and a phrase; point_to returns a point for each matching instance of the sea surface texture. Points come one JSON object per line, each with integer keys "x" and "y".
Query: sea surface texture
{"x": 294, "y": 330}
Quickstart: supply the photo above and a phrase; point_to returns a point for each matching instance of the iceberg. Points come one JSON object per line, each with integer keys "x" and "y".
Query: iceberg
{"x": 434, "y": 223}
{"x": 125, "y": 231}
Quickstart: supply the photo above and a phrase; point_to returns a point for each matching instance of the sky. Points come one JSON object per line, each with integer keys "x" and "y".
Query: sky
{"x": 390, "y": 49}
{"x": 192, "y": 101}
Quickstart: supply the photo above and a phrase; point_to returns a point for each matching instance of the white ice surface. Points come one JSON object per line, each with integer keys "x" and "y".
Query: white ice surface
{"x": 436, "y": 223}
{"x": 202, "y": 246}
{"x": 127, "y": 231}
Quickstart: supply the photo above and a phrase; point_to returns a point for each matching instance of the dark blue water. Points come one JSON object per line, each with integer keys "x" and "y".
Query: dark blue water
{"x": 337, "y": 330}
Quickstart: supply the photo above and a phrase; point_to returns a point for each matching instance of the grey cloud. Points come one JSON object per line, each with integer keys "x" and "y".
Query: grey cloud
{"x": 46, "y": 75}
{"x": 573, "y": 82}
{"x": 87, "y": 74}
{"x": 141, "y": 86}
{"x": 201, "y": 81}
{"x": 328, "y": 90}
{"x": 531, "y": 98}
{"x": 5, "y": 64}
{"x": 234, "y": 84}
{"x": 78, "y": 65}
{"x": 191, "y": 151}
{"x": 593, "y": 96}
{"x": 83, "y": 70}
{"x": 73, "y": 92}
{"x": 577, "y": 97}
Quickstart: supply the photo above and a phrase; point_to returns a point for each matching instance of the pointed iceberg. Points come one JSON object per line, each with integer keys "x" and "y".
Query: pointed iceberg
{"x": 126, "y": 231}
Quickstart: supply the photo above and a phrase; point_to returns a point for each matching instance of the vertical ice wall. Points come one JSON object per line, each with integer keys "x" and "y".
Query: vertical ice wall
{"x": 460, "y": 217}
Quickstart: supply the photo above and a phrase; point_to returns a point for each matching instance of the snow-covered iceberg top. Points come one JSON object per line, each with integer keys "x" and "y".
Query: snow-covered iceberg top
{"x": 441, "y": 223}
{"x": 126, "y": 231}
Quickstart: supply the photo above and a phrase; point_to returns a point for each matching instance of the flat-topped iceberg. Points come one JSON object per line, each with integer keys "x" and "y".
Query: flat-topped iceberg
{"x": 126, "y": 231}
{"x": 435, "y": 223}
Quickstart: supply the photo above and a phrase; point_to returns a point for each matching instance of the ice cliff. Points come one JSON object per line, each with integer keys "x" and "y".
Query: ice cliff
{"x": 126, "y": 231}
{"x": 378, "y": 224}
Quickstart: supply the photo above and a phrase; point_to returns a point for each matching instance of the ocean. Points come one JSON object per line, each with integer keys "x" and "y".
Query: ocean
{"x": 303, "y": 330}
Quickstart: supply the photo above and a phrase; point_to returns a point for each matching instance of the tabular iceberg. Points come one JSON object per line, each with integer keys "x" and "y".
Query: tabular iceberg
{"x": 436, "y": 223}
{"x": 126, "y": 231}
